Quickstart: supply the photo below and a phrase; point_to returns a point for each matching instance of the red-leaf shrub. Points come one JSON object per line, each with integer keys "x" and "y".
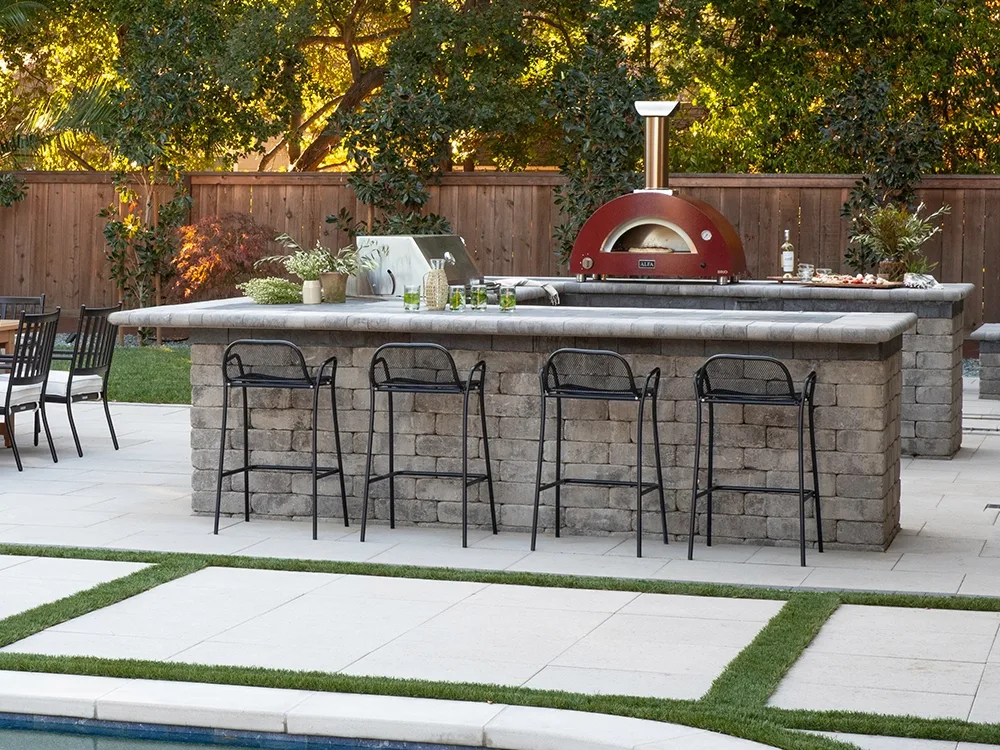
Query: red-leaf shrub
{"x": 217, "y": 253}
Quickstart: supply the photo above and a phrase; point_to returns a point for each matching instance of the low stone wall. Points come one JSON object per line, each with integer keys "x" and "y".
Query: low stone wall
{"x": 858, "y": 435}
{"x": 989, "y": 360}
{"x": 931, "y": 423}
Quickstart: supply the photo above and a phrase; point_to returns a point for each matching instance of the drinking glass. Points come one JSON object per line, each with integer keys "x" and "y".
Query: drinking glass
{"x": 508, "y": 299}
{"x": 456, "y": 298}
{"x": 477, "y": 295}
{"x": 806, "y": 271}
{"x": 411, "y": 297}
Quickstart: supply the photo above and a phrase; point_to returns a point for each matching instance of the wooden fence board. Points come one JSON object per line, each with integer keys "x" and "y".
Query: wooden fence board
{"x": 973, "y": 248}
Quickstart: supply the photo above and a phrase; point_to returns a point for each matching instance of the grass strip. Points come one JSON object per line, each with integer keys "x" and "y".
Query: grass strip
{"x": 724, "y": 719}
{"x": 910, "y": 727}
{"x": 31, "y": 621}
{"x": 753, "y": 676}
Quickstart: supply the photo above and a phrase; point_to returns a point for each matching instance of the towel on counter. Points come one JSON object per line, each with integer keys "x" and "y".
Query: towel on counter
{"x": 550, "y": 290}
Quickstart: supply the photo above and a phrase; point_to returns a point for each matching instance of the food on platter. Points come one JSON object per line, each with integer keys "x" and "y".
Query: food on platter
{"x": 847, "y": 279}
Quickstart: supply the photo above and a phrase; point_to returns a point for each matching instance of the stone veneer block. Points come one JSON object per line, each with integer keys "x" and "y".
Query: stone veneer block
{"x": 858, "y": 360}
{"x": 988, "y": 337}
{"x": 932, "y": 350}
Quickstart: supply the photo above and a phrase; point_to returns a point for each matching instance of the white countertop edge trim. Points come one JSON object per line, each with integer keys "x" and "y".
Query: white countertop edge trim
{"x": 871, "y": 328}
{"x": 346, "y": 715}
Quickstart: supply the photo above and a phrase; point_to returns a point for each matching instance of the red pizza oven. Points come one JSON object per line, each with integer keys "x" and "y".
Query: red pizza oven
{"x": 655, "y": 233}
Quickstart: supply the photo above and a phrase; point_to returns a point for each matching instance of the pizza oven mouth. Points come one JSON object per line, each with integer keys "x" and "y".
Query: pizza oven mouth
{"x": 649, "y": 234}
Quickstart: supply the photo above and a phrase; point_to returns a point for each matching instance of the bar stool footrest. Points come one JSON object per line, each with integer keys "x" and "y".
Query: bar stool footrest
{"x": 321, "y": 471}
{"x": 646, "y": 486}
{"x": 473, "y": 477}
{"x": 761, "y": 490}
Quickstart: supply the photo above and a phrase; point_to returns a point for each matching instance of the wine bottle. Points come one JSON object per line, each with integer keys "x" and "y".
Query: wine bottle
{"x": 787, "y": 255}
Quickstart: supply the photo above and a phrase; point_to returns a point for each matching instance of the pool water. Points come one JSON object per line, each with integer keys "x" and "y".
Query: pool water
{"x": 34, "y": 740}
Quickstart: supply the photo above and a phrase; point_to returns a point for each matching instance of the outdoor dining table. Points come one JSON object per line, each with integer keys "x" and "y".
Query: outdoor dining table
{"x": 8, "y": 328}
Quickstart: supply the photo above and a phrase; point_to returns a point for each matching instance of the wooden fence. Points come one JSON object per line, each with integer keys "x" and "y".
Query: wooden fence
{"x": 52, "y": 241}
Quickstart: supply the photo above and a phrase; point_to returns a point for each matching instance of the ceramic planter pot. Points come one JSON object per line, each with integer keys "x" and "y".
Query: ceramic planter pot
{"x": 334, "y": 286}
{"x": 311, "y": 293}
{"x": 891, "y": 270}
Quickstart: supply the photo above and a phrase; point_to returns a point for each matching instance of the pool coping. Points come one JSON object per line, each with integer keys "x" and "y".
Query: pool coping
{"x": 342, "y": 715}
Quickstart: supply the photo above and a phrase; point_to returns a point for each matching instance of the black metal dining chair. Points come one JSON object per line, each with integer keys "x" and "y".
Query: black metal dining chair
{"x": 753, "y": 380}
{"x": 23, "y": 387}
{"x": 595, "y": 374}
{"x": 89, "y": 365}
{"x": 263, "y": 363}
{"x": 425, "y": 369}
{"x": 11, "y": 308}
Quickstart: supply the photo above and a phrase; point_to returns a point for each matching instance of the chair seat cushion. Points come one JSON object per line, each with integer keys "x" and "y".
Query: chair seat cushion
{"x": 20, "y": 394}
{"x": 82, "y": 384}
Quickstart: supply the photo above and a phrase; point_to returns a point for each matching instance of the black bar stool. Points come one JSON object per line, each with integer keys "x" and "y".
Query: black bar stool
{"x": 428, "y": 369}
{"x": 753, "y": 380}
{"x": 606, "y": 376}
{"x": 261, "y": 363}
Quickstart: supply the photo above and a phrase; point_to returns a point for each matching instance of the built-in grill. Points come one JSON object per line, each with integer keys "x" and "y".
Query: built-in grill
{"x": 655, "y": 233}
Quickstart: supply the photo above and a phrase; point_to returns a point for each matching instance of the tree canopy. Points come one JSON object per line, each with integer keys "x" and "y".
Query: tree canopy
{"x": 418, "y": 86}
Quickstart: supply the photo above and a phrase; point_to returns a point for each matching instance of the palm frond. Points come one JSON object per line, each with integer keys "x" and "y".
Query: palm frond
{"x": 16, "y": 14}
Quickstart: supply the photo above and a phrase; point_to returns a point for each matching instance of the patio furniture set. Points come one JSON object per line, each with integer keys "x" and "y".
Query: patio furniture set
{"x": 27, "y": 379}
{"x": 568, "y": 374}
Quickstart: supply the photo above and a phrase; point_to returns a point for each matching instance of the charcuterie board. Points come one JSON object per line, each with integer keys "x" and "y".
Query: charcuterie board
{"x": 887, "y": 285}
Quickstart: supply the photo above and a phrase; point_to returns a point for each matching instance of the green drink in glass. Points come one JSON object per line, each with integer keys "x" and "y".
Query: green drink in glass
{"x": 477, "y": 296}
{"x": 456, "y": 298}
{"x": 411, "y": 297}
{"x": 508, "y": 299}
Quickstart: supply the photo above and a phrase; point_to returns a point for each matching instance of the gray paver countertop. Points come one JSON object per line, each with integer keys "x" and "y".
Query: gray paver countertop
{"x": 762, "y": 289}
{"x": 986, "y": 332}
{"x": 387, "y": 316}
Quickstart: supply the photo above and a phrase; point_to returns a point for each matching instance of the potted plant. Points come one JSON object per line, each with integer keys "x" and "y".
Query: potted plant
{"x": 893, "y": 235}
{"x": 346, "y": 263}
{"x": 306, "y": 264}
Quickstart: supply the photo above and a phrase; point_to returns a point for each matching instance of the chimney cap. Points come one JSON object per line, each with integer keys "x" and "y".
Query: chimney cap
{"x": 656, "y": 108}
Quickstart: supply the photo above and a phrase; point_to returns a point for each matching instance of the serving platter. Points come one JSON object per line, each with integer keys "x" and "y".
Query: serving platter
{"x": 888, "y": 285}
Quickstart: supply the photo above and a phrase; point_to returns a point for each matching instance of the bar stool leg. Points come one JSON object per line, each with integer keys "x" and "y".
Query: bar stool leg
{"x": 340, "y": 457}
{"x": 711, "y": 473}
{"x": 659, "y": 472}
{"x": 465, "y": 468}
{"x": 815, "y": 473}
{"x": 486, "y": 455}
{"x": 222, "y": 456}
{"x": 368, "y": 462}
{"x": 315, "y": 461}
{"x": 538, "y": 473}
{"x": 246, "y": 457}
{"x": 638, "y": 478}
{"x": 694, "y": 483}
{"x": 802, "y": 486}
{"x": 392, "y": 466}
{"x": 559, "y": 431}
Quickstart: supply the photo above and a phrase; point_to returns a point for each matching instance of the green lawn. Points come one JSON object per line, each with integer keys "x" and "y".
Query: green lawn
{"x": 149, "y": 375}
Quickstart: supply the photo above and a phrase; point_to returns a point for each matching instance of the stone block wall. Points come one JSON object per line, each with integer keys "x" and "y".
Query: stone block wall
{"x": 989, "y": 365}
{"x": 931, "y": 424}
{"x": 858, "y": 400}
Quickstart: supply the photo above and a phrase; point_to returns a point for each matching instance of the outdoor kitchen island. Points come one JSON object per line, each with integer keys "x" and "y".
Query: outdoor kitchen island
{"x": 857, "y": 357}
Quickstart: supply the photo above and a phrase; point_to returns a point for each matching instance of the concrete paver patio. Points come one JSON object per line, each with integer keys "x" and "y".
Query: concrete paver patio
{"x": 931, "y": 663}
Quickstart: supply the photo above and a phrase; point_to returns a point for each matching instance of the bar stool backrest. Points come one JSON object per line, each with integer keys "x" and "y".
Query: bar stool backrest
{"x": 264, "y": 362}
{"x": 409, "y": 365}
{"x": 95, "y": 341}
{"x": 582, "y": 370}
{"x": 36, "y": 338}
{"x": 744, "y": 375}
{"x": 12, "y": 307}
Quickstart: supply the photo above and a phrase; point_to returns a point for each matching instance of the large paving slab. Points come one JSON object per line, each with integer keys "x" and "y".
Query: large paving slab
{"x": 578, "y": 640}
{"x": 894, "y": 660}
{"x": 27, "y": 582}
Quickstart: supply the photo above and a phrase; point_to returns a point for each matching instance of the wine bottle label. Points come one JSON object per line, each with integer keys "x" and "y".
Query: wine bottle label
{"x": 787, "y": 261}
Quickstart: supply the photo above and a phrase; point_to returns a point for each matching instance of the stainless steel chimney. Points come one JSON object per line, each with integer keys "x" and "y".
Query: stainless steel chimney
{"x": 657, "y": 142}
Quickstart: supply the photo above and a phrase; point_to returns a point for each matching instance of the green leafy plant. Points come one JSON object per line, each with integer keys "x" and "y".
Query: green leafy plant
{"x": 12, "y": 189}
{"x": 894, "y": 234}
{"x": 272, "y": 290}
{"x": 216, "y": 253}
{"x": 306, "y": 264}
